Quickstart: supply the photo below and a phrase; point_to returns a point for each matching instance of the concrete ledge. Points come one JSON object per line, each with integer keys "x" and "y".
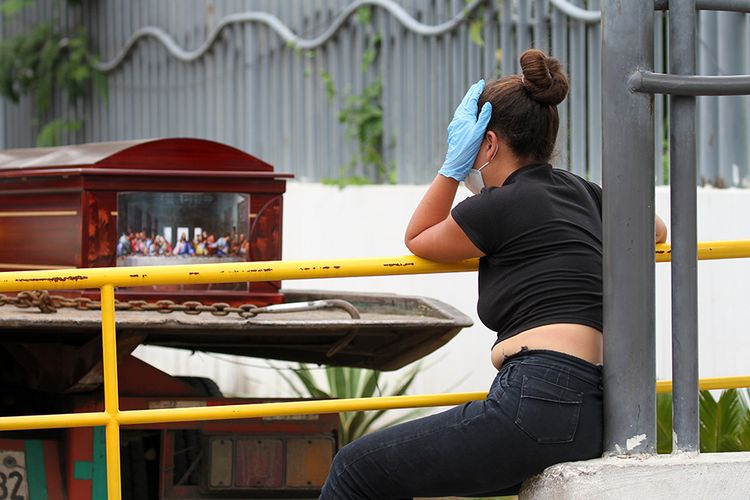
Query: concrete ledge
{"x": 687, "y": 477}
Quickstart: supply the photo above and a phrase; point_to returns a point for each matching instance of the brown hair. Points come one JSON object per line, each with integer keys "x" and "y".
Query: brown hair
{"x": 524, "y": 107}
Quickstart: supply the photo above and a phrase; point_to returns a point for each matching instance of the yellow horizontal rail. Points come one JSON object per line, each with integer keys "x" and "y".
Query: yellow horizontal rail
{"x": 294, "y": 408}
{"x": 108, "y": 278}
{"x": 709, "y": 384}
{"x": 225, "y": 273}
{"x": 342, "y": 405}
{"x": 228, "y": 412}
{"x": 68, "y": 279}
{"x": 710, "y": 250}
{"x": 54, "y": 421}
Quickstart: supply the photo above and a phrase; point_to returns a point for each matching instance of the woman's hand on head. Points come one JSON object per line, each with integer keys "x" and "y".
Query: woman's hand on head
{"x": 465, "y": 134}
{"x": 432, "y": 233}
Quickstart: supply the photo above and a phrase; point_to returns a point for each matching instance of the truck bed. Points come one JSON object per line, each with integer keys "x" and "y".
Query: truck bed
{"x": 391, "y": 331}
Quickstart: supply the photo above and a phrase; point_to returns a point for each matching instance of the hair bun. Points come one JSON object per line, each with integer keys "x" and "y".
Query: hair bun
{"x": 543, "y": 77}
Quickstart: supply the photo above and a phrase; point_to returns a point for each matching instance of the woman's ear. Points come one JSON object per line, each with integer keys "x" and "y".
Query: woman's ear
{"x": 492, "y": 145}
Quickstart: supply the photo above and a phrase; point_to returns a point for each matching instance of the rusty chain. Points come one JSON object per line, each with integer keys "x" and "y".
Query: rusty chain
{"x": 51, "y": 303}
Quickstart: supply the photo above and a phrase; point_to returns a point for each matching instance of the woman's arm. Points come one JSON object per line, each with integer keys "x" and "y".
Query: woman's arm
{"x": 432, "y": 233}
{"x": 661, "y": 230}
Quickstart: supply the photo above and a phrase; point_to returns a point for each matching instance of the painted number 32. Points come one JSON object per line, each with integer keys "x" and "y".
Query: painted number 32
{"x": 9, "y": 484}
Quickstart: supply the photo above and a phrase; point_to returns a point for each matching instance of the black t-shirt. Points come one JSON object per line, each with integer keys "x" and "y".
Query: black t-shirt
{"x": 541, "y": 233}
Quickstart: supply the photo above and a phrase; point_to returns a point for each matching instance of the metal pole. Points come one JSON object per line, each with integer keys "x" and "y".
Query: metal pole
{"x": 560, "y": 51}
{"x": 682, "y": 17}
{"x": 522, "y": 29}
{"x": 690, "y": 85}
{"x": 659, "y": 100}
{"x": 507, "y": 63}
{"x": 577, "y": 96}
{"x": 594, "y": 99}
{"x": 728, "y": 5}
{"x": 732, "y": 138}
{"x": 708, "y": 106}
{"x": 629, "y": 294}
{"x": 541, "y": 34}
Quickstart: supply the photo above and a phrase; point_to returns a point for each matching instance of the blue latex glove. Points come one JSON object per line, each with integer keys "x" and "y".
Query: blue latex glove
{"x": 465, "y": 134}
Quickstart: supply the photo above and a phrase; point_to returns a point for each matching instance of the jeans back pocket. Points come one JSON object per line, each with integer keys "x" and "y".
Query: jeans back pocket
{"x": 547, "y": 412}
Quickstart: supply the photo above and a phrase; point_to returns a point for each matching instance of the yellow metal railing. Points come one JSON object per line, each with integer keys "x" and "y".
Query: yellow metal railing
{"x": 107, "y": 278}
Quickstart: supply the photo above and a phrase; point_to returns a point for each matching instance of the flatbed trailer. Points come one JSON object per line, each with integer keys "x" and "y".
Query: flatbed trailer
{"x": 98, "y": 206}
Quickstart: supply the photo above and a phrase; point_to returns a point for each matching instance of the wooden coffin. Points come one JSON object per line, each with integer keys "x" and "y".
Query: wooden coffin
{"x": 145, "y": 202}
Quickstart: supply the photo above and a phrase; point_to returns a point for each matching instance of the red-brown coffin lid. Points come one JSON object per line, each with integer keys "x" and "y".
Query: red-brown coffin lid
{"x": 131, "y": 156}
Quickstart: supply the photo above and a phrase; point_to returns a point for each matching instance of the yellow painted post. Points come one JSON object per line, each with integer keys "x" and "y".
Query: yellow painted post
{"x": 111, "y": 396}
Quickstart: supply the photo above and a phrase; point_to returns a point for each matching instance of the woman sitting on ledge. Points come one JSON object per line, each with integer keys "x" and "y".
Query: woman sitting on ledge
{"x": 538, "y": 233}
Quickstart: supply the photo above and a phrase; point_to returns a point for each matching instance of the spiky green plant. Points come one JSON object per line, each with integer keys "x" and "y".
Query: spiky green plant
{"x": 342, "y": 382}
{"x": 664, "y": 423}
{"x": 724, "y": 424}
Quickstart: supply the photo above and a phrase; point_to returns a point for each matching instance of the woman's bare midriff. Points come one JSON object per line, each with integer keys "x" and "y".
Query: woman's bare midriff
{"x": 580, "y": 341}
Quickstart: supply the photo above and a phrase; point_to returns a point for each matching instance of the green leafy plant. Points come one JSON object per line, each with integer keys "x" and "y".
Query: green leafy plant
{"x": 45, "y": 60}
{"x": 724, "y": 424}
{"x": 362, "y": 114}
{"x": 664, "y": 423}
{"x": 11, "y": 7}
{"x": 342, "y": 382}
{"x": 329, "y": 86}
{"x": 371, "y": 53}
{"x": 475, "y": 32}
{"x": 476, "y": 26}
{"x": 364, "y": 15}
{"x": 51, "y": 132}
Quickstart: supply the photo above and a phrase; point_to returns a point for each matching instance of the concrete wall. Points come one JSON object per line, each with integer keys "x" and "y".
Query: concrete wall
{"x": 707, "y": 476}
{"x": 322, "y": 222}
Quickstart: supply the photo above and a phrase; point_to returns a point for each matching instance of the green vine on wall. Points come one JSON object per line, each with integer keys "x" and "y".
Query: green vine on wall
{"x": 42, "y": 61}
{"x": 476, "y": 30}
{"x": 362, "y": 115}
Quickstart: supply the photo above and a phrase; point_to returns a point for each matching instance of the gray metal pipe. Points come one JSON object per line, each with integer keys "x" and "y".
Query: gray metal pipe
{"x": 522, "y": 28}
{"x": 594, "y": 99}
{"x": 727, "y": 5}
{"x": 733, "y": 115}
{"x": 289, "y": 37}
{"x": 628, "y": 183}
{"x": 560, "y": 51}
{"x": 577, "y": 97}
{"x": 689, "y": 85}
{"x": 541, "y": 33}
{"x": 659, "y": 100}
{"x": 682, "y": 27}
{"x": 708, "y": 106}
{"x": 284, "y": 32}
{"x": 507, "y": 63}
{"x": 574, "y": 12}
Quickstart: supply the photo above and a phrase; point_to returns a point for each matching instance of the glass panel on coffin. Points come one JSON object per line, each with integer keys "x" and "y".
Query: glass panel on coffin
{"x": 183, "y": 229}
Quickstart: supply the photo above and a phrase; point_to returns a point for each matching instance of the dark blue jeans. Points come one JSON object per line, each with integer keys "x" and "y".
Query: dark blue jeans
{"x": 543, "y": 408}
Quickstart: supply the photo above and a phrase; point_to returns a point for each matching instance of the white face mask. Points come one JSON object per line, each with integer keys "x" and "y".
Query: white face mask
{"x": 474, "y": 181}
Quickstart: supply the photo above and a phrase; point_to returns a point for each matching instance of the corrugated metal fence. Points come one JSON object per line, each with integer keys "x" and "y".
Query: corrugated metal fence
{"x": 281, "y": 100}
